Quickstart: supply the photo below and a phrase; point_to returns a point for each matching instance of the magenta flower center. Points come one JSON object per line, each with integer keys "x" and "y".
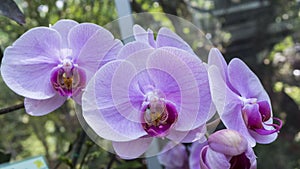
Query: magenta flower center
{"x": 67, "y": 79}
{"x": 256, "y": 114}
{"x": 158, "y": 115}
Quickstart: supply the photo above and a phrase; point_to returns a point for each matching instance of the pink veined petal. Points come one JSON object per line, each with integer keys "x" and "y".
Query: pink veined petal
{"x": 94, "y": 51}
{"x": 143, "y": 36}
{"x": 218, "y": 88}
{"x": 63, "y": 26}
{"x": 140, "y": 34}
{"x": 245, "y": 81}
{"x": 43, "y": 107}
{"x": 79, "y": 35}
{"x": 190, "y": 98}
{"x": 93, "y": 116}
{"x": 26, "y": 66}
{"x": 108, "y": 106}
{"x": 123, "y": 92}
{"x": 132, "y": 149}
{"x": 131, "y": 48}
{"x": 222, "y": 161}
{"x": 112, "y": 53}
{"x": 151, "y": 39}
{"x": 197, "y": 134}
{"x": 206, "y": 107}
{"x": 165, "y": 37}
{"x": 216, "y": 58}
{"x": 228, "y": 105}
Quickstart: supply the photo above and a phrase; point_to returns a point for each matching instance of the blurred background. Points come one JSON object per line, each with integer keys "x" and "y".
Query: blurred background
{"x": 263, "y": 33}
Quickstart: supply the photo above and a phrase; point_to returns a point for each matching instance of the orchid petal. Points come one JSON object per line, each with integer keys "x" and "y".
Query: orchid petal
{"x": 166, "y": 37}
{"x": 43, "y": 107}
{"x": 112, "y": 53}
{"x": 199, "y": 70}
{"x": 216, "y": 58}
{"x": 132, "y": 149}
{"x": 196, "y": 148}
{"x": 143, "y": 36}
{"x": 113, "y": 99}
{"x": 63, "y": 27}
{"x": 189, "y": 107}
{"x": 93, "y": 117}
{"x": 212, "y": 163}
{"x": 131, "y": 48}
{"x": 104, "y": 119}
{"x": 197, "y": 134}
{"x": 245, "y": 81}
{"x": 27, "y": 65}
{"x": 126, "y": 95}
{"x": 79, "y": 35}
{"x": 94, "y": 50}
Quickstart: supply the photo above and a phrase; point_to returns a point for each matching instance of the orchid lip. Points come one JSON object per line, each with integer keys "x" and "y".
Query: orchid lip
{"x": 256, "y": 114}
{"x": 68, "y": 79}
{"x": 158, "y": 115}
{"x": 277, "y": 127}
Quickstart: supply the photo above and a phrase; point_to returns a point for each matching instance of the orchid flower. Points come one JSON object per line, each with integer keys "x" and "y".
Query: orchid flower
{"x": 148, "y": 93}
{"x": 240, "y": 99}
{"x": 47, "y": 65}
{"x": 225, "y": 149}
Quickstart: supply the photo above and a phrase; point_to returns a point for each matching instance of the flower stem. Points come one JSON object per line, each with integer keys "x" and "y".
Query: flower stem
{"x": 11, "y": 108}
{"x": 78, "y": 148}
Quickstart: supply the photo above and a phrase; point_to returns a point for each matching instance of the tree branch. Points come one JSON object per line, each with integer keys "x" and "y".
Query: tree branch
{"x": 11, "y": 108}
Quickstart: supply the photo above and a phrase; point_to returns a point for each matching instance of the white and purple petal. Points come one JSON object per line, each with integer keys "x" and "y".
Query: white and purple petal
{"x": 106, "y": 109}
{"x": 132, "y": 149}
{"x": 27, "y": 64}
{"x": 166, "y": 37}
{"x": 245, "y": 81}
{"x": 190, "y": 99}
{"x": 64, "y": 26}
{"x": 43, "y": 107}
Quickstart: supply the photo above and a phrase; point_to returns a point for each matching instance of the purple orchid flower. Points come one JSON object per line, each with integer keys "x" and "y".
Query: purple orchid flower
{"x": 240, "y": 99}
{"x": 49, "y": 65}
{"x": 148, "y": 93}
{"x": 174, "y": 157}
{"x": 225, "y": 149}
